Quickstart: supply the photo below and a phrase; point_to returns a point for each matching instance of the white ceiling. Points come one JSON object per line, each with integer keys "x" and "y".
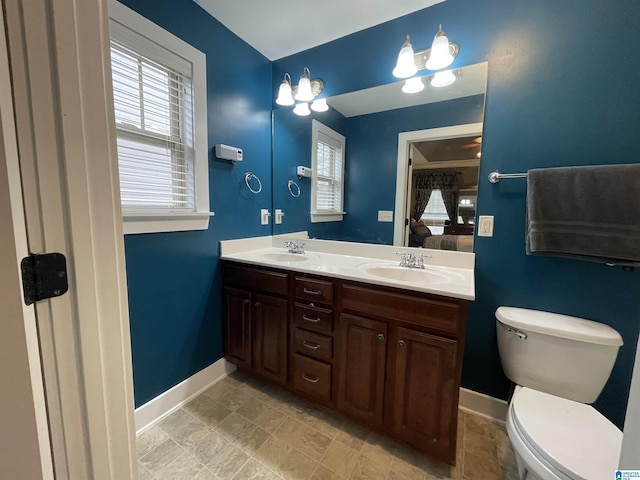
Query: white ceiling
{"x": 279, "y": 28}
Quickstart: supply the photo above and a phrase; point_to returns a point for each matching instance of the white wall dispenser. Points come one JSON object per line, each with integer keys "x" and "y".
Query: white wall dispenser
{"x": 303, "y": 171}
{"x": 226, "y": 152}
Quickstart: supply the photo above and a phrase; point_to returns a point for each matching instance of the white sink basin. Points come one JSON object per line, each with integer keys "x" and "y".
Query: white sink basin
{"x": 404, "y": 274}
{"x": 282, "y": 257}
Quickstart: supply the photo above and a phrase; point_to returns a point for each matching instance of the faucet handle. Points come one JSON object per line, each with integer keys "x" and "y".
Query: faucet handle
{"x": 404, "y": 258}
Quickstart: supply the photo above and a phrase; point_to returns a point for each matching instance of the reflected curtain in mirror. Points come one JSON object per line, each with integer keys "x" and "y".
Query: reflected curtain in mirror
{"x": 424, "y": 183}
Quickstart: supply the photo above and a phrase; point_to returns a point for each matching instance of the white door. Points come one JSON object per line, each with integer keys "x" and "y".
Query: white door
{"x": 61, "y": 125}
{"x": 404, "y": 170}
{"x": 24, "y": 434}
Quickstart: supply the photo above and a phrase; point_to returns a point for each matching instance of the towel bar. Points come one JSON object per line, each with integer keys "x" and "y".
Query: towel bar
{"x": 494, "y": 177}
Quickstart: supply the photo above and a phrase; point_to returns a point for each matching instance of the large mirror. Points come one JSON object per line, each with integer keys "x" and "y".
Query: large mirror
{"x": 411, "y": 163}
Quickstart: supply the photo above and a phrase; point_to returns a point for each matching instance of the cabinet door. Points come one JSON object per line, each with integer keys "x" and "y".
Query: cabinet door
{"x": 362, "y": 356}
{"x": 237, "y": 322}
{"x": 270, "y": 338}
{"x": 425, "y": 400}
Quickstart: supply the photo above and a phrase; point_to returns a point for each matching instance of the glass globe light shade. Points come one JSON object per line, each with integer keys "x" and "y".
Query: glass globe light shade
{"x": 320, "y": 105}
{"x": 285, "y": 97}
{"x": 406, "y": 65}
{"x": 440, "y": 55}
{"x": 443, "y": 79}
{"x": 304, "y": 93}
{"x": 413, "y": 85}
{"x": 302, "y": 109}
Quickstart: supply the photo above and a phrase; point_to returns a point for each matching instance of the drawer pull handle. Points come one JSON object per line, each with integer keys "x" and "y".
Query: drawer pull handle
{"x": 309, "y": 319}
{"x": 311, "y": 292}
{"x": 310, "y": 379}
{"x": 310, "y": 346}
{"x": 401, "y": 343}
{"x": 380, "y": 336}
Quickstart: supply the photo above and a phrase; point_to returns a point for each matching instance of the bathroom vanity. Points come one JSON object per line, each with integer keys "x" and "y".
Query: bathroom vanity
{"x": 382, "y": 351}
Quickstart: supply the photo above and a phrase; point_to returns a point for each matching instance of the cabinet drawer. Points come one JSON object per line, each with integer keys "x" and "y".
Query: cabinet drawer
{"x": 312, "y": 377}
{"x": 260, "y": 280}
{"x": 313, "y": 318}
{"x": 446, "y": 316}
{"x": 313, "y": 345}
{"x": 314, "y": 290}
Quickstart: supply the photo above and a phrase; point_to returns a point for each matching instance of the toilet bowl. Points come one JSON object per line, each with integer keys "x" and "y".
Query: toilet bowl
{"x": 559, "y": 364}
{"x": 559, "y": 439}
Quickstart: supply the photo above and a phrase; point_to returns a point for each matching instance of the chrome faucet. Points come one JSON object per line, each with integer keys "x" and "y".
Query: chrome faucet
{"x": 295, "y": 247}
{"x": 409, "y": 260}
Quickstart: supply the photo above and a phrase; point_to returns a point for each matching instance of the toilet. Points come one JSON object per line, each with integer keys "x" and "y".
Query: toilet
{"x": 560, "y": 365}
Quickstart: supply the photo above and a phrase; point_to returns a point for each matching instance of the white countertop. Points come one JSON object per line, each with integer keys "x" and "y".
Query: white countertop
{"x": 446, "y": 273}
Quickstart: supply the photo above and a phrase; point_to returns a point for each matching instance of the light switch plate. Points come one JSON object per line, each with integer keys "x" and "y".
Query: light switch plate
{"x": 385, "y": 215}
{"x": 264, "y": 216}
{"x": 485, "y": 226}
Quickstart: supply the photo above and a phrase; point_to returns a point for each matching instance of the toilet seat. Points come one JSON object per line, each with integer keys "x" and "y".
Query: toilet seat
{"x": 568, "y": 438}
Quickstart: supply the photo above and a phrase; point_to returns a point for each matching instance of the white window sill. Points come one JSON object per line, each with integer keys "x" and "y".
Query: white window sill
{"x": 164, "y": 222}
{"x": 327, "y": 217}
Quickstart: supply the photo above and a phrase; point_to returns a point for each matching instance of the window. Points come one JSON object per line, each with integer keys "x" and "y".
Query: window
{"x": 327, "y": 177}
{"x": 435, "y": 214}
{"x": 159, "y": 92}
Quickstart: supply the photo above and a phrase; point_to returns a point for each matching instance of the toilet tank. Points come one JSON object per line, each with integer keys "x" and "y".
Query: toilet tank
{"x": 565, "y": 356}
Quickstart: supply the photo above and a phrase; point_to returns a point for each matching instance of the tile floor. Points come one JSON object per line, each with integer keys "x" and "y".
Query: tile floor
{"x": 244, "y": 429}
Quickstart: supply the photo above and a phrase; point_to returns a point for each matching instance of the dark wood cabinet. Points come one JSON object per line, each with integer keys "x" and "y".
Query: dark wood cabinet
{"x": 387, "y": 357}
{"x": 362, "y": 360}
{"x": 270, "y": 338}
{"x": 256, "y": 320}
{"x": 423, "y": 392}
{"x": 237, "y": 320}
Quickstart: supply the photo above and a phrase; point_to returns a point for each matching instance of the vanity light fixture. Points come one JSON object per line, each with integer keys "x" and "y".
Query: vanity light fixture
{"x": 413, "y": 85}
{"x": 443, "y": 79}
{"x": 306, "y": 90}
{"x": 440, "y": 55}
{"x": 302, "y": 109}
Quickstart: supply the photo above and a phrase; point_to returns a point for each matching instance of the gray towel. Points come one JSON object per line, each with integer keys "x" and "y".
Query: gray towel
{"x": 588, "y": 213}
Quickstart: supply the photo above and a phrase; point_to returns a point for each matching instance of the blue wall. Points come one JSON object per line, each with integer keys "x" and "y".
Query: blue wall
{"x": 174, "y": 279}
{"x": 549, "y": 104}
{"x": 562, "y": 91}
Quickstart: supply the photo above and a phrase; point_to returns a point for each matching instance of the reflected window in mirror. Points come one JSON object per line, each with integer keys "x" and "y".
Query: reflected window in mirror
{"x": 327, "y": 180}
{"x": 435, "y": 215}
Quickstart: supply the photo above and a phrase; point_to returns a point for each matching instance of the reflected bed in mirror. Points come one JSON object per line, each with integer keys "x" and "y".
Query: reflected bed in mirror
{"x": 383, "y": 127}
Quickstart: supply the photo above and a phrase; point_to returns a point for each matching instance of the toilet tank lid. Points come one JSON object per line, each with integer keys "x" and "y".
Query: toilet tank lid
{"x": 558, "y": 325}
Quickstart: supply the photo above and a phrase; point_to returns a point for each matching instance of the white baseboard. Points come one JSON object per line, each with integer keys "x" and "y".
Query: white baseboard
{"x": 484, "y": 405}
{"x": 166, "y": 403}
{"x": 155, "y": 410}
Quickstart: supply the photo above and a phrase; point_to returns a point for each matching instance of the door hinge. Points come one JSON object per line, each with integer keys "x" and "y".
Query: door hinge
{"x": 410, "y": 161}
{"x": 44, "y": 276}
{"x": 406, "y": 222}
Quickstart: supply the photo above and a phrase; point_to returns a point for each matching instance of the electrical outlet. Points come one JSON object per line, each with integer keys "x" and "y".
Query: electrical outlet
{"x": 485, "y": 226}
{"x": 385, "y": 215}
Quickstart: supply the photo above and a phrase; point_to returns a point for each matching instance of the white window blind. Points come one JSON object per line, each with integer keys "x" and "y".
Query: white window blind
{"x": 328, "y": 174}
{"x": 160, "y": 105}
{"x": 154, "y": 122}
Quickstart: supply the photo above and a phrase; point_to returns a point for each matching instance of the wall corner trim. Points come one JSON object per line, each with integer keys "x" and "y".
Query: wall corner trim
{"x": 484, "y": 405}
{"x": 154, "y": 410}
